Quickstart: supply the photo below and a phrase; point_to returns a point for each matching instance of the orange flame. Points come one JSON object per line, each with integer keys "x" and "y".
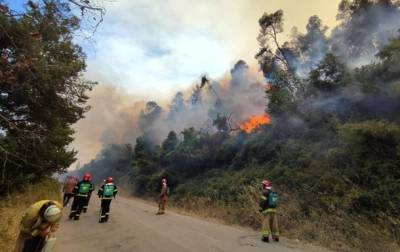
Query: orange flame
{"x": 254, "y": 122}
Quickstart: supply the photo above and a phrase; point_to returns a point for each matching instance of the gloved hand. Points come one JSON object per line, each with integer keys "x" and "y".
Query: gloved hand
{"x": 44, "y": 232}
{"x": 55, "y": 227}
{"x": 260, "y": 210}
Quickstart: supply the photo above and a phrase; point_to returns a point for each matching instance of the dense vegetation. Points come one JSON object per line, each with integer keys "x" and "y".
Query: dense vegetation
{"x": 42, "y": 92}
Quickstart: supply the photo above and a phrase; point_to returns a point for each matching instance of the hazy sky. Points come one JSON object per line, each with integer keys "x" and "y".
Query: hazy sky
{"x": 149, "y": 49}
{"x": 155, "y": 47}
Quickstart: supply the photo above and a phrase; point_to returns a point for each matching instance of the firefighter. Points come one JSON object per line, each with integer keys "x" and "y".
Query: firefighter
{"x": 81, "y": 192}
{"x": 39, "y": 221}
{"x": 68, "y": 188}
{"x": 163, "y": 196}
{"x": 85, "y": 206}
{"x": 106, "y": 192}
{"x": 268, "y": 205}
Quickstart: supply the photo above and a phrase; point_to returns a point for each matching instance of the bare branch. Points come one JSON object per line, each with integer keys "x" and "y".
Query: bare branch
{"x": 85, "y": 5}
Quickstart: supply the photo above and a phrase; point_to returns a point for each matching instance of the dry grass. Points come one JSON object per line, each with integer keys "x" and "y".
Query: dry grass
{"x": 13, "y": 207}
{"x": 346, "y": 233}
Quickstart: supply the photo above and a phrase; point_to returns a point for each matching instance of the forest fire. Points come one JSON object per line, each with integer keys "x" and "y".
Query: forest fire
{"x": 254, "y": 122}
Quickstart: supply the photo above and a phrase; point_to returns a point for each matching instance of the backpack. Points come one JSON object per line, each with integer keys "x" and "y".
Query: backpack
{"x": 108, "y": 191}
{"x": 84, "y": 188}
{"x": 272, "y": 199}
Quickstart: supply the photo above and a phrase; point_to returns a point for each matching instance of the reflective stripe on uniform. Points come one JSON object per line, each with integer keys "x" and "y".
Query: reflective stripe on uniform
{"x": 269, "y": 210}
{"x": 265, "y": 233}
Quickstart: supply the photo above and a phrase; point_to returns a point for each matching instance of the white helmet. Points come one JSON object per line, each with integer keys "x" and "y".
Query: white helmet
{"x": 52, "y": 214}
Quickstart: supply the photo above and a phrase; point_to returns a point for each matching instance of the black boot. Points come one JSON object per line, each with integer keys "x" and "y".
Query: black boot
{"x": 276, "y": 239}
{"x": 76, "y": 217}
{"x": 265, "y": 239}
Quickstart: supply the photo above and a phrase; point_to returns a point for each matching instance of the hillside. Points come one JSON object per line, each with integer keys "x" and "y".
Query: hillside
{"x": 330, "y": 142}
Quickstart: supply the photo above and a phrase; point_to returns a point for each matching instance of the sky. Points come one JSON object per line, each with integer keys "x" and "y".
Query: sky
{"x": 154, "y": 48}
{"x": 150, "y": 49}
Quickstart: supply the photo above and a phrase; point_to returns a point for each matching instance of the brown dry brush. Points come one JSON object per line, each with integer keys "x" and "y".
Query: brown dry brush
{"x": 328, "y": 230}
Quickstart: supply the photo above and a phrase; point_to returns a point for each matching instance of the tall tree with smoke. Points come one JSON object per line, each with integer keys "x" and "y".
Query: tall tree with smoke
{"x": 271, "y": 53}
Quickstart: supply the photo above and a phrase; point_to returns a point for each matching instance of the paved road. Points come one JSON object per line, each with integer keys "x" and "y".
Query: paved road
{"x": 133, "y": 226}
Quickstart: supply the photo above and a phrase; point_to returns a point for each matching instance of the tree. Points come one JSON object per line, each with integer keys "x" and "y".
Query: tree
{"x": 42, "y": 91}
{"x": 221, "y": 123}
{"x": 91, "y": 12}
{"x": 278, "y": 63}
{"x": 329, "y": 75}
{"x": 144, "y": 165}
{"x": 170, "y": 142}
{"x": 365, "y": 27}
{"x": 149, "y": 115}
{"x": 310, "y": 48}
{"x": 177, "y": 105}
{"x": 196, "y": 97}
{"x": 271, "y": 53}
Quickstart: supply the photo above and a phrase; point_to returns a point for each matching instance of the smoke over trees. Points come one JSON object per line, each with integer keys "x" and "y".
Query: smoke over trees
{"x": 332, "y": 147}
{"x": 366, "y": 26}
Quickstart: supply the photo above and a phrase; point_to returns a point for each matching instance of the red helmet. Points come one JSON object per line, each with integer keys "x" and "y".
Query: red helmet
{"x": 266, "y": 184}
{"x": 87, "y": 177}
{"x": 109, "y": 180}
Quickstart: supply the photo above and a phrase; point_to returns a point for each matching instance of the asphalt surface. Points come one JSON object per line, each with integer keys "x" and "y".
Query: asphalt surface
{"x": 134, "y": 226}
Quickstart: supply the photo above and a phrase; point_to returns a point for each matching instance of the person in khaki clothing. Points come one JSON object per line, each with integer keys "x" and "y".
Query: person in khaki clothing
{"x": 268, "y": 204}
{"x": 40, "y": 220}
{"x": 68, "y": 189}
{"x": 163, "y": 196}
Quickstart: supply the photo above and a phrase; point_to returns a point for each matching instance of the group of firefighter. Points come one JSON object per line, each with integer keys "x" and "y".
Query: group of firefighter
{"x": 42, "y": 218}
{"x": 82, "y": 191}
